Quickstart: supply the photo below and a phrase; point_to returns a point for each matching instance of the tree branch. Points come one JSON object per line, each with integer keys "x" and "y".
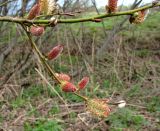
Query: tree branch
{"x": 40, "y": 55}
{"x": 48, "y": 22}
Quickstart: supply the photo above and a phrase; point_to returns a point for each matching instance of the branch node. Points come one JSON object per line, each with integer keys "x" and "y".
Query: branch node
{"x": 53, "y": 22}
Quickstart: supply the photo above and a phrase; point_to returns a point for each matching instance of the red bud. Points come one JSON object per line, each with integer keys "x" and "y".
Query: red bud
{"x": 35, "y": 11}
{"x": 37, "y": 30}
{"x": 54, "y": 53}
{"x": 82, "y": 84}
{"x": 68, "y": 87}
{"x": 63, "y": 77}
{"x": 112, "y": 5}
{"x": 97, "y": 20}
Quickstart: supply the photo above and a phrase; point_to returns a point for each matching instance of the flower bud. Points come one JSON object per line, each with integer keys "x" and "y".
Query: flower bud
{"x": 37, "y": 30}
{"x": 112, "y": 5}
{"x": 35, "y": 11}
{"x": 63, "y": 77}
{"x": 68, "y": 87}
{"x": 82, "y": 84}
{"x": 97, "y": 20}
{"x": 55, "y": 52}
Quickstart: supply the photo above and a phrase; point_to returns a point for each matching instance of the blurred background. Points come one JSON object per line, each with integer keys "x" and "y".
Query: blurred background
{"x": 121, "y": 59}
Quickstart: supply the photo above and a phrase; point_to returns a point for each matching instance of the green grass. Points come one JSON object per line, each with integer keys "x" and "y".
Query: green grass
{"x": 151, "y": 23}
{"x": 51, "y": 125}
{"x": 54, "y": 110}
{"x": 125, "y": 118}
{"x": 28, "y": 95}
{"x": 143, "y": 53}
{"x": 18, "y": 102}
{"x": 153, "y": 105}
{"x": 1, "y": 118}
{"x": 33, "y": 91}
{"x": 95, "y": 27}
{"x": 134, "y": 91}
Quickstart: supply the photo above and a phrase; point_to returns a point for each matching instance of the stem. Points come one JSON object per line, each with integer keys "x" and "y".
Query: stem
{"x": 42, "y": 58}
{"x": 83, "y": 97}
{"x": 47, "y": 22}
{"x": 68, "y": 14}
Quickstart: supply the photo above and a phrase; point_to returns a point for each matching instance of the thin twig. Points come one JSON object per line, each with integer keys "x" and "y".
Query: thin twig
{"x": 42, "y": 58}
{"x": 25, "y": 114}
{"x": 4, "y": 3}
{"x": 136, "y": 106}
{"x": 47, "y": 82}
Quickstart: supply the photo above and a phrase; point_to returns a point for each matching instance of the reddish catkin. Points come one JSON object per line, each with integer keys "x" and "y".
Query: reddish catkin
{"x": 35, "y": 11}
{"x": 55, "y": 52}
{"x": 37, "y": 30}
{"x": 139, "y": 17}
{"x": 98, "y": 107}
{"x": 68, "y": 87}
{"x": 82, "y": 84}
{"x": 112, "y": 5}
{"x": 63, "y": 77}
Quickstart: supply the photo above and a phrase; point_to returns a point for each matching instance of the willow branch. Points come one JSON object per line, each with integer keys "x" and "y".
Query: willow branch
{"x": 40, "y": 55}
{"x": 48, "y": 22}
{"x": 45, "y": 63}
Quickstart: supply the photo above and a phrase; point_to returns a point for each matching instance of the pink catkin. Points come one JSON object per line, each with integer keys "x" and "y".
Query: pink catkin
{"x": 63, "y": 77}
{"x": 37, "y": 30}
{"x": 68, "y": 87}
{"x": 112, "y": 5}
{"x": 82, "y": 84}
{"x": 140, "y": 18}
{"x": 98, "y": 107}
{"x": 35, "y": 11}
{"x": 55, "y": 52}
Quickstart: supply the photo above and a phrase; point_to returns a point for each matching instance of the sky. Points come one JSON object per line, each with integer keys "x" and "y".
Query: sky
{"x": 103, "y": 2}
{"x": 125, "y": 2}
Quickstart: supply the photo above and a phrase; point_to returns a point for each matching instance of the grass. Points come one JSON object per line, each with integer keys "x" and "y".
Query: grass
{"x": 151, "y": 23}
{"x": 43, "y": 126}
{"x": 124, "y": 119}
{"x": 18, "y": 103}
{"x": 153, "y": 105}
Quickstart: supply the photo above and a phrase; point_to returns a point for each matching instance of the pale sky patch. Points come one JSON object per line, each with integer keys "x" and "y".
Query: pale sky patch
{"x": 101, "y": 3}
{"x": 120, "y": 2}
